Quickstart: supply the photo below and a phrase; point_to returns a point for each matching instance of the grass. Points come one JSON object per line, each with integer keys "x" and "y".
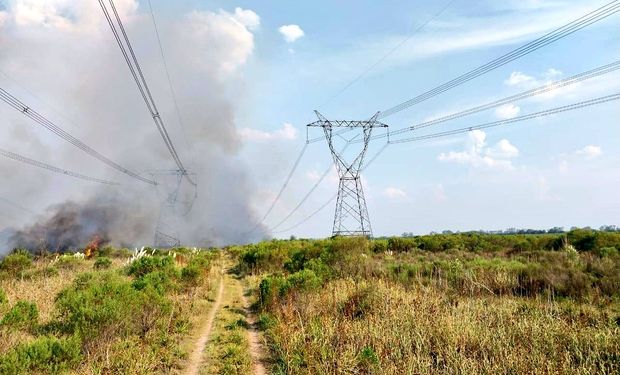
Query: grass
{"x": 99, "y": 315}
{"x": 343, "y": 307}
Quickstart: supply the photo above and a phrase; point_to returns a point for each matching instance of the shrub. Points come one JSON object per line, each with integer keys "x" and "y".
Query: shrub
{"x": 148, "y": 264}
{"x": 159, "y": 281}
{"x": 360, "y": 303}
{"x": 44, "y": 272}
{"x": 68, "y": 261}
{"x": 604, "y": 252}
{"x": 102, "y": 306}
{"x": 102, "y": 263}
{"x": 16, "y": 263}
{"x": 24, "y": 315}
{"x": 45, "y": 354}
{"x": 304, "y": 280}
{"x": 3, "y": 298}
{"x": 191, "y": 275}
{"x": 271, "y": 288}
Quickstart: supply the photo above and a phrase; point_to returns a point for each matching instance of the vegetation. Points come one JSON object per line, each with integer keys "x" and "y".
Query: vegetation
{"x": 118, "y": 318}
{"x": 448, "y": 303}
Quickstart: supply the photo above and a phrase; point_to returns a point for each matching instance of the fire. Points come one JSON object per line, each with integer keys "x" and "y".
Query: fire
{"x": 93, "y": 246}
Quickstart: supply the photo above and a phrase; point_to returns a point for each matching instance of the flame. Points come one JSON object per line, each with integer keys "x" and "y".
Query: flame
{"x": 93, "y": 246}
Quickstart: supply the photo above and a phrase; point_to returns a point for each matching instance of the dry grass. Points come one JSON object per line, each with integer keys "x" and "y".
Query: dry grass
{"x": 374, "y": 326}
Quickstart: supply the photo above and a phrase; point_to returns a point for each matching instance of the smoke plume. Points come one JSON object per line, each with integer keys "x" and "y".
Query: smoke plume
{"x": 60, "y": 57}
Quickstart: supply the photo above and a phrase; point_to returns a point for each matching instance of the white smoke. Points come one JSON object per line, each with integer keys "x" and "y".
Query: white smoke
{"x": 60, "y": 57}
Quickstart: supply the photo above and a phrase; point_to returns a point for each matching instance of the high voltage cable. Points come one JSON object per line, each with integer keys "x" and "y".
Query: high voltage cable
{"x": 303, "y": 200}
{"x": 557, "y": 34}
{"x": 569, "y": 107}
{"x": 36, "y": 163}
{"x": 390, "y": 52}
{"x": 277, "y": 198}
{"x": 582, "y": 104}
{"x": 41, "y": 120}
{"x": 172, "y": 91}
{"x": 138, "y": 76}
{"x": 605, "y": 69}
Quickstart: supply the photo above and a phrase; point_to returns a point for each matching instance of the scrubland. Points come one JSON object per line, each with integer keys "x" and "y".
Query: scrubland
{"x": 68, "y": 314}
{"x": 464, "y": 303}
{"x": 457, "y": 304}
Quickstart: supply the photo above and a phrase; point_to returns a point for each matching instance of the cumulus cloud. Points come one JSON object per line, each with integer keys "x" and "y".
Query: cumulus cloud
{"x": 224, "y": 41}
{"x": 507, "y": 111}
{"x": 291, "y": 32}
{"x": 590, "y": 152}
{"x": 478, "y": 155}
{"x": 518, "y": 78}
{"x": 394, "y": 193}
{"x": 287, "y": 132}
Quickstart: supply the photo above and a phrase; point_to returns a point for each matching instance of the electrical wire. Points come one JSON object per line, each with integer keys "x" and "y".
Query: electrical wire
{"x": 36, "y": 163}
{"x": 389, "y": 53}
{"x": 138, "y": 76}
{"x": 41, "y": 120}
{"x": 596, "y": 72}
{"x": 552, "y": 111}
{"x": 553, "y": 36}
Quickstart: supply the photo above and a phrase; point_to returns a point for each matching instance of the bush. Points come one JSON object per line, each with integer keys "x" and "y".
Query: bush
{"x": 3, "y": 299}
{"x": 148, "y": 264}
{"x": 68, "y": 261}
{"x": 158, "y": 281}
{"x": 191, "y": 275}
{"x": 41, "y": 273}
{"x": 304, "y": 280}
{"x": 24, "y": 315}
{"x": 271, "y": 288}
{"x": 604, "y": 252}
{"x": 102, "y": 263}
{"x": 16, "y": 263}
{"x": 102, "y": 306}
{"x": 45, "y": 354}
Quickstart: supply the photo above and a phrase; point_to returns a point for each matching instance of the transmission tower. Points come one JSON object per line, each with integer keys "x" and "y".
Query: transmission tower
{"x": 351, "y": 216}
{"x": 176, "y": 203}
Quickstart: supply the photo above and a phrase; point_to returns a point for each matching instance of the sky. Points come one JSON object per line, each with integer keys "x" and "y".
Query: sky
{"x": 270, "y": 64}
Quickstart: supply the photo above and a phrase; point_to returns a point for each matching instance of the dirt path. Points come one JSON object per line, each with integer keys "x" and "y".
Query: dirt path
{"x": 255, "y": 345}
{"x": 195, "y": 359}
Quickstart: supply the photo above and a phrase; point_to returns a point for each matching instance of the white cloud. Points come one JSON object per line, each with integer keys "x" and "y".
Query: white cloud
{"x": 222, "y": 39}
{"x": 394, "y": 193}
{"x": 478, "y": 155}
{"x": 291, "y": 32}
{"x": 247, "y": 18}
{"x": 503, "y": 149}
{"x": 590, "y": 152}
{"x": 288, "y": 132}
{"x": 518, "y": 78}
{"x": 507, "y": 111}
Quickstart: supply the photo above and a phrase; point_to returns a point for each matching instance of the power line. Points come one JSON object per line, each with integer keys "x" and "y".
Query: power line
{"x": 582, "y": 104}
{"x": 389, "y": 53}
{"x": 596, "y": 72}
{"x": 138, "y": 76}
{"x": 172, "y": 91}
{"x": 41, "y": 120}
{"x": 36, "y": 163}
{"x": 557, "y": 34}
{"x": 570, "y": 107}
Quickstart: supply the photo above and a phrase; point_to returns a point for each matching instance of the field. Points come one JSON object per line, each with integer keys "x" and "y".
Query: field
{"x": 459, "y": 303}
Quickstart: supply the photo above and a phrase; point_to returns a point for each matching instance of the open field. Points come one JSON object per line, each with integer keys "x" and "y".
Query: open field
{"x": 459, "y": 303}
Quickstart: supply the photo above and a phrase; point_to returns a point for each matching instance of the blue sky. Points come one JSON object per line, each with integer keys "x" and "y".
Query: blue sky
{"x": 552, "y": 181}
{"x": 269, "y": 64}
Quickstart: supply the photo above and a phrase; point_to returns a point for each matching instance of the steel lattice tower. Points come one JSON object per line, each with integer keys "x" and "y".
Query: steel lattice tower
{"x": 173, "y": 207}
{"x": 351, "y": 216}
